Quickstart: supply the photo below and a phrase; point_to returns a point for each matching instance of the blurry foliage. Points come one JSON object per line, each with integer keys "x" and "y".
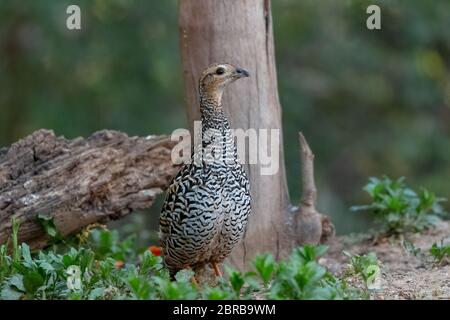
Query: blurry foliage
{"x": 121, "y": 71}
{"x": 301, "y": 277}
{"x": 440, "y": 252}
{"x": 369, "y": 102}
{"x": 399, "y": 209}
{"x": 367, "y": 267}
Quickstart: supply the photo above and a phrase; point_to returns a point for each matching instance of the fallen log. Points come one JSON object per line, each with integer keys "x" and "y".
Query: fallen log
{"x": 80, "y": 181}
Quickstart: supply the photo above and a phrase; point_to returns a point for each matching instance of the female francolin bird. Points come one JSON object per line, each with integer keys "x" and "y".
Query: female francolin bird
{"x": 206, "y": 209}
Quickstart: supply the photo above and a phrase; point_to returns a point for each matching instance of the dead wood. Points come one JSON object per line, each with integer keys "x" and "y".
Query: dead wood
{"x": 80, "y": 181}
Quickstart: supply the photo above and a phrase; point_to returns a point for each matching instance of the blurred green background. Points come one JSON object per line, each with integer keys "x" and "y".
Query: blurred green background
{"x": 369, "y": 102}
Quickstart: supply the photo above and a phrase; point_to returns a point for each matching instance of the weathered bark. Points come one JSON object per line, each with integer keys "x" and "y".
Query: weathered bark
{"x": 240, "y": 32}
{"x": 80, "y": 181}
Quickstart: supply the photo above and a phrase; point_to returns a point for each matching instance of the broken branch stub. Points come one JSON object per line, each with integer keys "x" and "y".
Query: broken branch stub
{"x": 311, "y": 226}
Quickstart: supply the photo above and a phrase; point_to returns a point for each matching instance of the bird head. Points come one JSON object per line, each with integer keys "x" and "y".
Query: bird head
{"x": 216, "y": 77}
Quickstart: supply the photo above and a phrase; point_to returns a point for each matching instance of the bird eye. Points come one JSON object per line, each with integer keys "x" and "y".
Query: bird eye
{"x": 220, "y": 71}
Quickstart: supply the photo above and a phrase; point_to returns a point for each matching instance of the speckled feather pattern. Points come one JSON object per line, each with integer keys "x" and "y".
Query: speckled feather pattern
{"x": 207, "y": 205}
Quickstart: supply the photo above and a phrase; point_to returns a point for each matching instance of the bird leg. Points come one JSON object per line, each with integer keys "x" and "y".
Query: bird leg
{"x": 194, "y": 281}
{"x": 216, "y": 268}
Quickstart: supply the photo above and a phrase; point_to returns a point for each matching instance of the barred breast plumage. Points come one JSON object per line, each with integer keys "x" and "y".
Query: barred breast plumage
{"x": 206, "y": 209}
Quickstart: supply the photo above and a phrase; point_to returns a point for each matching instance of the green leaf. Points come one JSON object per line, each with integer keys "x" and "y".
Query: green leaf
{"x": 175, "y": 290}
{"x": 400, "y": 209}
{"x": 140, "y": 288}
{"x": 48, "y": 224}
{"x": 237, "y": 281}
{"x": 149, "y": 263}
{"x": 32, "y": 281}
{"x": 373, "y": 273}
{"x": 47, "y": 267}
{"x": 216, "y": 294}
{"x": 310, "y": 253}
{"x": 184, "y": 275}
{"x": 265, "y": 266}
{"x": 9, "y": 293}
{"x": 96, "y": 293}
{"x": 15, "y": 232}
{"x": 16, "y": 281}
{"x": 440, "y": 252}
{"x": 26, "y": 255}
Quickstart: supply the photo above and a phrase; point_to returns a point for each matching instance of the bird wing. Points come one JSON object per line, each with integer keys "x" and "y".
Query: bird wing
{"x": 175, "y": 207}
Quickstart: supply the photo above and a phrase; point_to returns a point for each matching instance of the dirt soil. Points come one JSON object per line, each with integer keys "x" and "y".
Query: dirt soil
{"x": 404, "y": 274}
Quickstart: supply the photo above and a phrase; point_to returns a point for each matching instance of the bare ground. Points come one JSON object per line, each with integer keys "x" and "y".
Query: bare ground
{"x": 404, "y": 275}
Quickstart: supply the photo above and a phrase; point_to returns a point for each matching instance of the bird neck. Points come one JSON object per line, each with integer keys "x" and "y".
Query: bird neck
{"x": 213, "y": 115}
{"x": 216, "y": 131}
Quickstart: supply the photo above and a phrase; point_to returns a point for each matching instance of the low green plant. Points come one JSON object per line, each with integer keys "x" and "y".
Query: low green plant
{"x": 108, "y": 244}
{"x": 49, "y": 227}
{"x": 76, "y": 273}
{"x": 410, "y": 248}
{"x": 400, "y": 209}
{"x": 440, "y": 252}
{"x": 300, "y": 276}
{"x": 366, "y": 266}
{"x": 91, "y": 270}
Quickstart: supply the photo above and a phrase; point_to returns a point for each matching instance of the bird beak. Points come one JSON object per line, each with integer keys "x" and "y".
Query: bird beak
{"x": 241, "y": 73}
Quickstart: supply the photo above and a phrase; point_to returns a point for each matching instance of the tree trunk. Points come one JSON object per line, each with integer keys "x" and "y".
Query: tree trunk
{"x": 240, "y": 33}
{"x": 79, "y": 182}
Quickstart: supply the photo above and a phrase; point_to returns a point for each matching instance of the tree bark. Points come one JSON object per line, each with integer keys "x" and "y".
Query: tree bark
{"x": 240, "y": 33}
{"x": 79, "y": 182}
